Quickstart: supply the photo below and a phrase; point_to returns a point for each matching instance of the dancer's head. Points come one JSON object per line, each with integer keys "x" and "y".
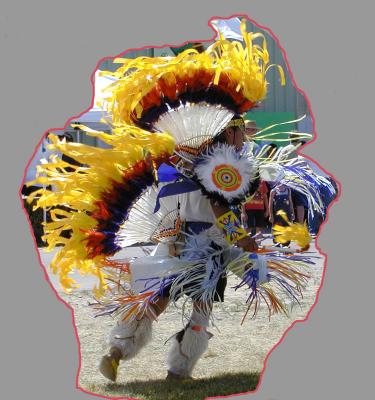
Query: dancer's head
{"x": 234, "y": 133}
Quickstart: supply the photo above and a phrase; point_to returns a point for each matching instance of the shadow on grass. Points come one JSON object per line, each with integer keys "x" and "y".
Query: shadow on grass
{"x": 199, "y": 389}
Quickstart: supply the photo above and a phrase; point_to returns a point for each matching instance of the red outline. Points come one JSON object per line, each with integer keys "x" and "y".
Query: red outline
{"x": 274, "y": 37}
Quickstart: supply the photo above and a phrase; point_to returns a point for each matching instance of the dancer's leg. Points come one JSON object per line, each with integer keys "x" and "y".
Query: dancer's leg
{"x": 128, "y": 337}
{"x": 190, "y": 343}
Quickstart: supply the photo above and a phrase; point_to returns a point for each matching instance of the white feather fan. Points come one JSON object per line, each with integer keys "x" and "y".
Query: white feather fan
{"x": 193, "y": 125}
{"x": 143, "y": 225}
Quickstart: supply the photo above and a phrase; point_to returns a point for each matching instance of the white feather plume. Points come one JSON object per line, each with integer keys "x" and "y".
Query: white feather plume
{"x": 244, "y": 164}
{"x": 192, "y": 124}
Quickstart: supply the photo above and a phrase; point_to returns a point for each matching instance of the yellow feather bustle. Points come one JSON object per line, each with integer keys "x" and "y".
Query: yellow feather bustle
{"x": 79, "y": 190}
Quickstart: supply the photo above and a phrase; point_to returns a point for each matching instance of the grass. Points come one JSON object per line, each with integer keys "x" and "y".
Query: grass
{"x": 199, "y": 389}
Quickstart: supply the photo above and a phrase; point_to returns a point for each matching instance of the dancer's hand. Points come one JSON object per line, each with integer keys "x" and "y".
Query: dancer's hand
{"x": 248, "y": 244}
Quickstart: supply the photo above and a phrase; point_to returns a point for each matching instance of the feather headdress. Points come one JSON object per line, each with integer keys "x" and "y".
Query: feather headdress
{"x": 194, "y": 95}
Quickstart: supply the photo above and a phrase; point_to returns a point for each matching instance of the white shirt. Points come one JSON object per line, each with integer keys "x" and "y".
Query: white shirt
{"x": 195, "y": 207}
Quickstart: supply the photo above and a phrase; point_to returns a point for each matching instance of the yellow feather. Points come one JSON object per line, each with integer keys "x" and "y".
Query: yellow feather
{"x": 295, "y": 232}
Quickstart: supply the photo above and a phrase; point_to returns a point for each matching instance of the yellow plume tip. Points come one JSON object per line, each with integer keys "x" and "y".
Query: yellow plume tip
{"x": 293, "y": 232}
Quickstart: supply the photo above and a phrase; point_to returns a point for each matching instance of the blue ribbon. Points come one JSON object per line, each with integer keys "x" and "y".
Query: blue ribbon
{"x": 166, "y": 173}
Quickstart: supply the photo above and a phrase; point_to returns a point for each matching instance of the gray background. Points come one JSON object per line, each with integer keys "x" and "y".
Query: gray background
{"x": 48, "y": 51}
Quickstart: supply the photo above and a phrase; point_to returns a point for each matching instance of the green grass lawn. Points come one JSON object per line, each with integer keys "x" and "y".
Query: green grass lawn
{"x": 198, "y": 389}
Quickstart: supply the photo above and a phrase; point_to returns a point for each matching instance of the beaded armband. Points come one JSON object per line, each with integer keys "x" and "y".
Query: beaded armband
{"x": 231, "y": 226}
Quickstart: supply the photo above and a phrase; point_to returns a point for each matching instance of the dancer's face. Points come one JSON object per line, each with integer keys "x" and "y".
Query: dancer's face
{"x": 235, "y": 136}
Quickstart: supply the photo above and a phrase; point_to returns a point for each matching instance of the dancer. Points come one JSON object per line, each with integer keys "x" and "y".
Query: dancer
{"x": 205, "y": 245}
{"x": 174, "y": 169}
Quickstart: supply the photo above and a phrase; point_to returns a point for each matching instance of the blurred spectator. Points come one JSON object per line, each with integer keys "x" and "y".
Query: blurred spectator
{"x": 300, "y": 206}
{"x": 255, "y": 212}
{"x": 250, "y": 130}
{"x": 280, "y": 200}
{"x": 36, "y": 217}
